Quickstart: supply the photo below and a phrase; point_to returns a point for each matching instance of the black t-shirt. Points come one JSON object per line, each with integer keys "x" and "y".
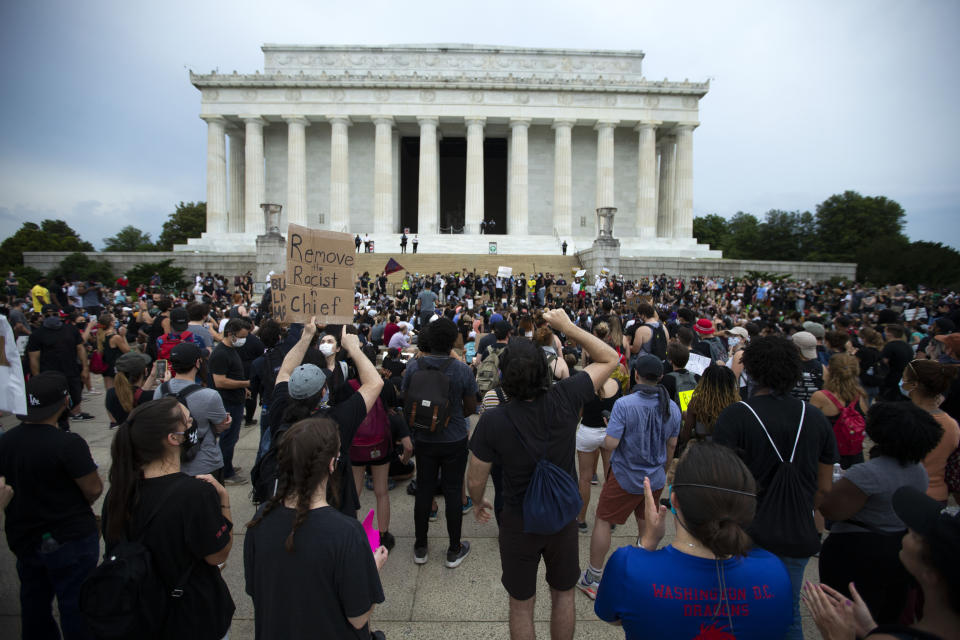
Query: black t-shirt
{"x": 310, "y": 592}
{"x": 899, "y": 354}
{"x": 348, "y": 415}
{"x": 58, "y": 349}
{"x": 42, "y": 464}
{"x": 553, "y": 418}
{"x": 188, "y": 525}
{"x": 226, "y": 361}
{"x": 112, "y": 402}
{"x": 738, "y": 429}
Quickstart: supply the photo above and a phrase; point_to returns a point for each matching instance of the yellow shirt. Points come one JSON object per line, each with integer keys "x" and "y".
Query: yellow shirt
{"x": 41, "y": 296}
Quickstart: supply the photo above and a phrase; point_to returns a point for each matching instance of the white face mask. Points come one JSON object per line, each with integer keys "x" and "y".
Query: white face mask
{"x": 326, "y": 349}
{"x": 529, "y": 334}
{"x": 239, "y": 342}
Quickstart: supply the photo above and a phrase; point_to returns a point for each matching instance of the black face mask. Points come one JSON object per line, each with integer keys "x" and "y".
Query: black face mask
{"x": 188, "y": 448}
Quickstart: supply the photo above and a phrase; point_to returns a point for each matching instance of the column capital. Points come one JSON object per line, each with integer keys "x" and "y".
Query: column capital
{"x": 604, "y": 124}
{"x": 428, "y": 120}
{"x": 563, "y": 122}
{"x": 214, "y": 119}
{"x": 378, "y": 120}
{"x": 296, "y": 120}
{"x": 475, "y": 120}
{"x": 520, "y": 122}
{"x": 648, "y": 124}
{"x": 253, "y": 118}
{"x": 686, "y": 126}
{"x": 344, "y": 120}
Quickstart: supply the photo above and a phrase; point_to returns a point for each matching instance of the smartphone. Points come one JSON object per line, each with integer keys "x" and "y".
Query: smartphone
{"x": 161, "y": 369}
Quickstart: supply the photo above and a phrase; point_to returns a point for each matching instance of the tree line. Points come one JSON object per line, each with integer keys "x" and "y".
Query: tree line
{"x": 847, "y": 227}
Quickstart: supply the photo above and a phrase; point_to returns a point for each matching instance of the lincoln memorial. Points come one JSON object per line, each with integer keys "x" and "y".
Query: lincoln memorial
{"x": 444, "y": 139}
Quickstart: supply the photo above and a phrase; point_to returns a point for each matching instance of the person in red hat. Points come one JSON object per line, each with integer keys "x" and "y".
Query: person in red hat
{"x": 709, "y": 344}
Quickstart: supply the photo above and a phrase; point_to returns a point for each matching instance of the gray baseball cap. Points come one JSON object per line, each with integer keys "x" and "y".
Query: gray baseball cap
{"x": 305, "y": 381}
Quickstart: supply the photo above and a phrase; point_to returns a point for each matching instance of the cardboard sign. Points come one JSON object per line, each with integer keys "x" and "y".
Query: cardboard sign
{"x": 558, "y": 290}
{"x": 318, "y": 280}
{"x": 580, "y": 273}
{"x": 504, "y": 272}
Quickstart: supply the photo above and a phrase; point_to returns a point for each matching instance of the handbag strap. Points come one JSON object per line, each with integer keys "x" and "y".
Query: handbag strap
{"x": 836, "y": 401}
{"x": 803, "y": 411}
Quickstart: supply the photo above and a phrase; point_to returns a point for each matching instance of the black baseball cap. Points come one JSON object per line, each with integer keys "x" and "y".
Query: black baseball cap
{"x": 179, "y": 319}
{"x": 649, "y": 367}
{"x": 45, "y": 394}
{"x": 49, "y": 308}
{"x": 185, "y": 354}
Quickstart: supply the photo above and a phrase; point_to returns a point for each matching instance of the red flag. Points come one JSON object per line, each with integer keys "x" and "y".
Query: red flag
{"x": 392, "y": 267}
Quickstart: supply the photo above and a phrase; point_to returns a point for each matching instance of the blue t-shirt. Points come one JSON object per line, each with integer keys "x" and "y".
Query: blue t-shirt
{"x": 637, "y": 421}
{"x": 669, "y": 595}
{"x": 463, "y": 383}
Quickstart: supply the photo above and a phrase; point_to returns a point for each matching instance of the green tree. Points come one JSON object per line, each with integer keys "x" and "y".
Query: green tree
{"x": 49, "y": 235}
{"x": 711, "y": 229}
{"x": 744, "y": 241}
{"x": 129, "y": 239}
{"x": 188, "y": 221}
{"x": 79, "y": 266}
{"x": 896, "y": 260}
{"x": 849, "y": 222}
{"x": 171, "y": 277}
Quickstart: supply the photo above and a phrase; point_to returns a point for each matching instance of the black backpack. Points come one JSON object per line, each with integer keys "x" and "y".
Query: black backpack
{"x": 658, "y": 341}
{"x": 784, "y": 521}
{"x": 266, "y": 471}
{"x": 426, "y": 406}
{"x": 124, "y": 597}
{"x": 181, "y": 396}
{"x": 272, "y": 361}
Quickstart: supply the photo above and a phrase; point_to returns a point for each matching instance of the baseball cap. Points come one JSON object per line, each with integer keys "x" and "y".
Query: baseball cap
{"x": 649, "y": 366}
{"x": 305, "y": 381}
{"x": 49, "y": 308}
{"x": 132, "y": 362}
{"x": 815, "y": 328}
{"x": 939, "y": 530}
{"x": 704, "y": 327}
{"x": 950, "y": 341}
{"x": 185, "y": 354}
{"x": 179, "y": 319}
{"x": 45, "y": 394}
{"x": 501, "y": 328}
{"x": 807, "y": 343}
{"x": 739, "y": 331}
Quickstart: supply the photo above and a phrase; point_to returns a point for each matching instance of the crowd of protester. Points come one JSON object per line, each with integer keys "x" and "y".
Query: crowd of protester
{"x": 771, "y": 422}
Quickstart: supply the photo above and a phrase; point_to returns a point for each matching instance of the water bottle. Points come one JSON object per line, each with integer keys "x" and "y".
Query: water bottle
{"x": 48, "y": 544}
{"x": 837, "y": 472}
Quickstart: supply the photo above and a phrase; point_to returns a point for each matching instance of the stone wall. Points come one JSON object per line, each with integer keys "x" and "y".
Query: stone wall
{"x": 633, "y": 267}
{"x": 223, "y": 263}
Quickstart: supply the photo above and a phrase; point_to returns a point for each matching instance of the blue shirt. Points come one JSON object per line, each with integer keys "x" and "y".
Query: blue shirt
{"x": 462, "y": 383}
{"x": 637, "y": 422}
{"x": 668, "y": 594}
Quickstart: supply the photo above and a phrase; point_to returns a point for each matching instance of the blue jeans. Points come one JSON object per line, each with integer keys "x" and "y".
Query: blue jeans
{"x": 228, "y": 439}
{"x": 795, "y": 568}
{"x": 264, "y": 432}
{"x": 58, "y": 573}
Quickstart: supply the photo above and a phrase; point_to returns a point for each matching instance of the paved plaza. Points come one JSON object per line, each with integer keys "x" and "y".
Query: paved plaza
{"x": 428, "y": 602}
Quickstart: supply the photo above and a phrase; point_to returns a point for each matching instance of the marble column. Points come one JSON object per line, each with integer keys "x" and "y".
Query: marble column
{"x": 428, "y": 206}
{"x": 473, "y": 210}
{"x": 518, "y": 219}
{"x": 562, "y": 178}
{"x": 605, "y": 192}
{"x": 296, "y": 208}
{"x": 216, "y": 174}
{"x": 646, "y": 223}
{"x": 683, "y": 191}
{"x": 236, "y": 183}
{"x": 254, "y": 176}
{"x": 383, "y": 175}
{"x": 339, "y": 174}
{"x": 665, "y": 204}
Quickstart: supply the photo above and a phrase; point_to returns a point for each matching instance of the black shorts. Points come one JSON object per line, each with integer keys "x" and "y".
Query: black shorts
{"x": 75, "y": 387}
{"x": 373, "y": 463}
{"x": 520, "y": 555}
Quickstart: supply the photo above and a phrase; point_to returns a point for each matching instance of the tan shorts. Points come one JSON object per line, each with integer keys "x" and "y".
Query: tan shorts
{"x": 616, "y": 504}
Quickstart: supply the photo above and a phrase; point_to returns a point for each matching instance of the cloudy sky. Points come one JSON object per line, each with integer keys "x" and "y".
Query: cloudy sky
{"x": 99, "y": 121}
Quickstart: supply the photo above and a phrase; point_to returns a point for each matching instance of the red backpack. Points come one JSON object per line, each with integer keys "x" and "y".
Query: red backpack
{"x": 373, "y": 439}
{"x": 849, "y": 427}
{"x": 166, "y": 343}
